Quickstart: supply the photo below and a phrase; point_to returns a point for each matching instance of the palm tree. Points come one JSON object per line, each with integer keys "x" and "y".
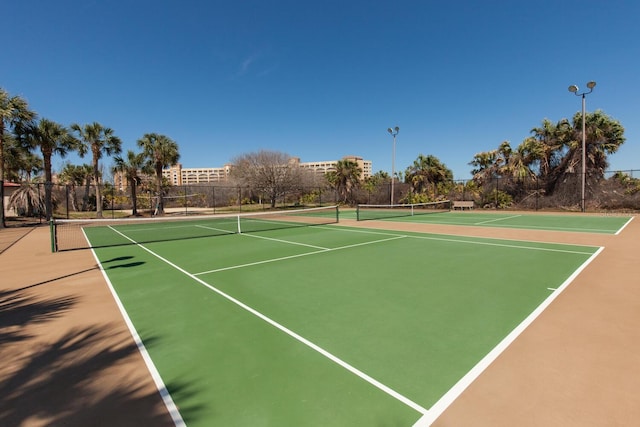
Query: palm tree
{"x": 88, "y": 178}
{"x": 73, "y": 176}
{"x": 546, "y": 145}
{"x": 427, "y": 170}
{"x": 27, "y": 200}
{"x": 485, "y": 166}
{"x": 20, "y": 164}
{"x": 97, "y": 139}
{"x": 161, "y": 152}
{"x": 131, "y": 167}
{"x": 345, "y": 178}
{"x": 52, "y": 138}
{"x": 604, "y": 136}
{"x": 13, "y": 111}
{"x": 492, "y": 164}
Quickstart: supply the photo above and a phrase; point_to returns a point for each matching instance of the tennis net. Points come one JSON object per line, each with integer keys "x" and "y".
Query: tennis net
{"x": 369, "y": 212}
{"x": 93, "y": 233}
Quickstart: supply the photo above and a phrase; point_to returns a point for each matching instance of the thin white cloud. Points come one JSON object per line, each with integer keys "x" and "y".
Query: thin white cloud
{"x": 256, "y": 64}
{"x": 246, "y": 64}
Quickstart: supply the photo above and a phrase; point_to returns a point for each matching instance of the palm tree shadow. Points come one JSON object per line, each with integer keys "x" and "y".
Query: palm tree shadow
{"x": 66, "y": 276}
{"x": 55, "y": 382}
{"x": 18, "y": 311}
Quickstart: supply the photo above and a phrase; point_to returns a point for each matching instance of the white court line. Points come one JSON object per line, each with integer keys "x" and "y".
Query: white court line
{"x": 289, "y": 332}
{"x": 496, "y": 219}
{"x": 623, "y": 227}
{"x": 151, "y": 367}
{"x": 481, "y": 240}
{"x": 455, "y": 392}
{"x": 394, "y": 237}
{"x": 233, "y": 267}
{"x": 255, "y": 236}
{"x": 215, "y": 229}
{"x": 528, "y": 227}
{"x": 531, "y": 248}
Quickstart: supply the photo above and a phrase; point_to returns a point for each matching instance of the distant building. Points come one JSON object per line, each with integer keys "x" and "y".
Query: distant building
{"x": 177, "y": 175}
{"x": 322, "y": 168}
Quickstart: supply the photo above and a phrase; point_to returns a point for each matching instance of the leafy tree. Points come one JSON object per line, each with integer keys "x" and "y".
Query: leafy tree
{"x": 99, "y": 140}
{"x": 631, "y": 185}
{"x": 426, "y": 171}
{"x": 88, "y": 179}
{"x": 559, "y": 150}
{"x": 52, "y": 138}
{"x": 73, "y": 176}
{"x": 485, "y": 166}
{"x": 161, "y": 152}
{"x": 546, "y": 146}
{"x": 272, "y": 173}
{"x": 345, "y": 179}
{"x": 604, "y": 136}
{"x": 553, "y": 155}
{"x": 131, "y": 167}
{"x": 372, "y": 183}
{"x": 20, "y": 163}
{"x": 489, "y": 165}
{"x": 14, "y": 111}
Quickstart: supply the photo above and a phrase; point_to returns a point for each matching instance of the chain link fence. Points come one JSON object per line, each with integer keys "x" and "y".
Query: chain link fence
{"x": 618, "y": 191}
{"x": 74, "y": 201}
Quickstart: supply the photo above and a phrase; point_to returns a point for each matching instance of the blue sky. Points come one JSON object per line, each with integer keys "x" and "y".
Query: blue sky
{"x": 323, "y": 79}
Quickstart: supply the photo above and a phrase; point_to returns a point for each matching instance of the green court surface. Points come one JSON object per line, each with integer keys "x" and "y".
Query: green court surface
{"x": 603, "y": 224}
{"x": 325, "y": 325}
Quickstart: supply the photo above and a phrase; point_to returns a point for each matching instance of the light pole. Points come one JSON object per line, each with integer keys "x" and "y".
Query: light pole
{"x": 394, "y": 133}
{"x": 574, "y": 89}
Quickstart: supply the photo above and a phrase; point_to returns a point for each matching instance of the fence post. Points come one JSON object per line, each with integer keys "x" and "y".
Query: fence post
{"x": 66, "y": 190}
{"x": 52, "y": 233}
{"x": 537, "y": 192}
{"x": 39, "y": 203}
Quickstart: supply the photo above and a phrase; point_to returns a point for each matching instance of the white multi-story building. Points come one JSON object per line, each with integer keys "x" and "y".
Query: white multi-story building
{"x": 330, "y": 165}
{"x": 177, "y": 175}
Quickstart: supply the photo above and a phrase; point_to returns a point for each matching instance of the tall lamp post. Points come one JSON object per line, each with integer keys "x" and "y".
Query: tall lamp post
{"x": 394, "y": 133}
{"x": 574, "y": 89}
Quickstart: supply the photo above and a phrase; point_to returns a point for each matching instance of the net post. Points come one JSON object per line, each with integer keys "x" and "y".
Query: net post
{"x": 239, "y": 229}
{"x": 337, "y": 214}
{"x": 358, "y": 212}
{"x": 52, "y": 233}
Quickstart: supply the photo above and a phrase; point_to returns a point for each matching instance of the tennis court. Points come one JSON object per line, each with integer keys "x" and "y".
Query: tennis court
{"x": 322, "y": 324}
{"x": 437, "y": 214}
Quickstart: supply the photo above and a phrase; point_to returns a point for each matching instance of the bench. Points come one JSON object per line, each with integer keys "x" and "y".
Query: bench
{"x": 462, "y": 204}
